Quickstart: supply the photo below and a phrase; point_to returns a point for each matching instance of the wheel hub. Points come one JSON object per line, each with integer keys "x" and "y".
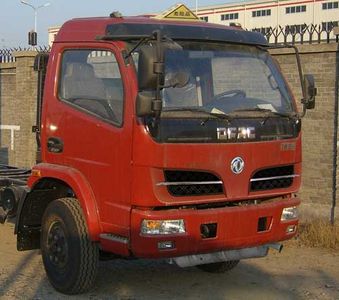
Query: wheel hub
{"x": 57, "y": 247}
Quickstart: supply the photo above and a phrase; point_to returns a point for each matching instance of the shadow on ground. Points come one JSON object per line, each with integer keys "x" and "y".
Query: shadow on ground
{"x": 147, "y": 279}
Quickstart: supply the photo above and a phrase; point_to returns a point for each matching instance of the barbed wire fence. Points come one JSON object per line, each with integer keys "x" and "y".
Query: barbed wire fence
{"x": 6, "y": 54}
{"x": 301, "y": 33}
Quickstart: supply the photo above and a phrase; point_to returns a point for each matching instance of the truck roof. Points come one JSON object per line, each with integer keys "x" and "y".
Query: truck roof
{"x": 128, "y": 28}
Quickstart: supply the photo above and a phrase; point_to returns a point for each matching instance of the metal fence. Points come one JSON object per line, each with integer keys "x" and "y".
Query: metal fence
{"x": 6, "y": 55}
{"x": 301, "y": 33}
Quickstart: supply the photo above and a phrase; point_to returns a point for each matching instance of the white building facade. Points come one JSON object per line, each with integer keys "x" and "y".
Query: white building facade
{"x": 289, "y": 16}
{"x": 52, "y": 32}
{"x": 263, "y": 14}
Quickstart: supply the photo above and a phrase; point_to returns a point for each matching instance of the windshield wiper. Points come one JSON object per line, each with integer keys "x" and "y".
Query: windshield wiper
{"x": 204, "y": 113}
{"x": 259, "y": 109}
{"x": 269, "y": 113}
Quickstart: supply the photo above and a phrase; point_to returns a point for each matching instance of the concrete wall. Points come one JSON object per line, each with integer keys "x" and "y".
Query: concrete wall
{"x": 18, "y": 105}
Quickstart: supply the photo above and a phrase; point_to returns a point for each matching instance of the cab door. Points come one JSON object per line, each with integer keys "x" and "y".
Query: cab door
{"x": 93, "y": 100}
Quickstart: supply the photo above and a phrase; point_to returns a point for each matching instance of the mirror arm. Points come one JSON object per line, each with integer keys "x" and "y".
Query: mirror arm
{"x": 303, "y": 113}
{"x": 301, "y": 77}
{"x": 302, "y": 83}
{"x": 303, "y": 88}
{"x": 157, "y": 102}
{"x": 142, "y": 41}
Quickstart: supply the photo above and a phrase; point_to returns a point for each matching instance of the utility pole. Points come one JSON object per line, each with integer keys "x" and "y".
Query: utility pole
{"x": 33, "y": 35}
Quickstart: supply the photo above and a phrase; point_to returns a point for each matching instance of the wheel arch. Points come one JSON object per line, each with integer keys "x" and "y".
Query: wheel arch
{"x": 48, "y": 183}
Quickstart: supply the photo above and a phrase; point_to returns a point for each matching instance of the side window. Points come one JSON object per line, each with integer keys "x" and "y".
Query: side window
{"x": 91, "y": 80}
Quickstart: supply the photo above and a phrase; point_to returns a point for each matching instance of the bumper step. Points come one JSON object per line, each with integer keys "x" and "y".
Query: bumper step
{"x": 201, "y": 259}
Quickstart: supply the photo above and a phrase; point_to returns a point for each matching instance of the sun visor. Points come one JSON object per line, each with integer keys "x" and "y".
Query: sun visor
{"x": 130, "y": 31}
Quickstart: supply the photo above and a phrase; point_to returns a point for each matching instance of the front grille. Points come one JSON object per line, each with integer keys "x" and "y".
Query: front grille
{"x": 273, "y": 178}
{"x": 191, "y": 183}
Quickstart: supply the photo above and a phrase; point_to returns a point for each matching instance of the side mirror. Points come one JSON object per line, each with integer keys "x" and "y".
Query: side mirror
{"x": 310, "y": 91}
{"x": 144, "y": 103}
{"x": 147, "y": 70}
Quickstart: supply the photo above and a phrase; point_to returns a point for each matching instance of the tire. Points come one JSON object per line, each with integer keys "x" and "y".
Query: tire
{"x": 219, "y": 267}
{"x": 69, "y": 256}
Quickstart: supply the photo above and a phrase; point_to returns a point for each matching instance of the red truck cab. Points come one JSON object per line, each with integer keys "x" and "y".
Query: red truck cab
{"x": 161, "y": 139}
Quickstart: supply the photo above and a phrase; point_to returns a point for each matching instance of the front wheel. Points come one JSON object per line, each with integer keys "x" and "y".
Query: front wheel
{"x": 69, "y": 256}
{"x": 220, "y": 267}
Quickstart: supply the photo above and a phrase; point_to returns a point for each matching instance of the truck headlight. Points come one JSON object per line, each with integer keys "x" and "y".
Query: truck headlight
{"x": 289, "y": 213}
{"x": 159, "y": 227}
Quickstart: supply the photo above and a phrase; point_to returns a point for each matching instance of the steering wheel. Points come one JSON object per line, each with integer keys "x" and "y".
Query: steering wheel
{"x": 233, "y": 93}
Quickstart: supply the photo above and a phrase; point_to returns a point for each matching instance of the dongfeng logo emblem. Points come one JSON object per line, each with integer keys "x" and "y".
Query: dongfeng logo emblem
{"x": 237, "y": 165}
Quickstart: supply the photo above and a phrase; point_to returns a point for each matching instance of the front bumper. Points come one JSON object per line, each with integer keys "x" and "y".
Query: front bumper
{"x": 237, "y": 228}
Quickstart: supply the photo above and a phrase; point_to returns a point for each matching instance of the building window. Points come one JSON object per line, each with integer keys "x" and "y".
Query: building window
{"x": 233, "y": 16}
{"x": 293, "y": 29}
{"x": 295, "y": 9}
{"x": 261, "y": 13}
{"x": 204, "y": 19}
{"x": 330, "y": 5}
{"x": 328, "y": 26}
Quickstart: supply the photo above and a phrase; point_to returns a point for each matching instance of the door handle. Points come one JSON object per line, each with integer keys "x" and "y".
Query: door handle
{"x": 55, "y": 145}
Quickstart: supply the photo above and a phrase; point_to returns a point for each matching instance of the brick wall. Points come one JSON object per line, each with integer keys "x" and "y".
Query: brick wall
{"x": 7, "y": 94}
{"x": 321, "y": 60}
{"x": 18, "y": 105}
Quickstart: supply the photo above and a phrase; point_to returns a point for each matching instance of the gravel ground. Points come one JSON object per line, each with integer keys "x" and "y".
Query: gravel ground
{"x": 296, "y": 273}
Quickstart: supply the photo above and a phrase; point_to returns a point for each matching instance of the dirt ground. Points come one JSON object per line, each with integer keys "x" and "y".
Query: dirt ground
{"x": 296, "y": 273}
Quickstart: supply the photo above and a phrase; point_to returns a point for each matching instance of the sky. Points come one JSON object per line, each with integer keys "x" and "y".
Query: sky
{"x": 17, "y": 19}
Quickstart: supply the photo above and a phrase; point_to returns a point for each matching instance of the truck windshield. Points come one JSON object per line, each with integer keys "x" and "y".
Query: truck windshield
{"x": 226, "y": 90}
{"x": 224, "y": 79}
